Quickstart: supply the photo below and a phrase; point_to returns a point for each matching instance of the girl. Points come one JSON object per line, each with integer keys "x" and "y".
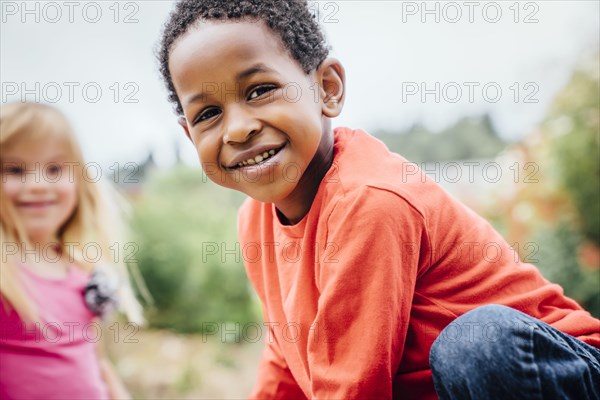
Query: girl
{"x": 56, "y": 227}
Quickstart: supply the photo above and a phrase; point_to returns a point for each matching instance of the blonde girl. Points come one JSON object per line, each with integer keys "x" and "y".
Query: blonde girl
{"x": 58, "y": 273}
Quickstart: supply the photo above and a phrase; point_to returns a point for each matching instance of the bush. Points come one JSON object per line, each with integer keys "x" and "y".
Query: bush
{"x": 178, "y": 221}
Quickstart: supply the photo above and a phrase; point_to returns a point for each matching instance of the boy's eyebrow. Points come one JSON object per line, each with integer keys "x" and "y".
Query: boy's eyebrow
{"x": 245, "y": 74}
{"x": 255, "y": 69}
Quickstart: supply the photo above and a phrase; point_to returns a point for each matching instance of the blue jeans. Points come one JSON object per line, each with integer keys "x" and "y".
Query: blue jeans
{"x": 495, "y": 352}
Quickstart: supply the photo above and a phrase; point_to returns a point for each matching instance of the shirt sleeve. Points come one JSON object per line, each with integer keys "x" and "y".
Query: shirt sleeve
{"x": 275, "y": 381}
{"x": 366, "y": 286}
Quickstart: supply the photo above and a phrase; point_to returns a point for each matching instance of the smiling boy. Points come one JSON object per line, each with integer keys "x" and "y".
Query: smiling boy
{"x": 299, "y": 130}
{"x": 361, "y": 267}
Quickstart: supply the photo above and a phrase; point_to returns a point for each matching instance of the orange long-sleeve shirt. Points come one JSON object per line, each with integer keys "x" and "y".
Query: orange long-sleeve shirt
{"x": 356, "y": 292}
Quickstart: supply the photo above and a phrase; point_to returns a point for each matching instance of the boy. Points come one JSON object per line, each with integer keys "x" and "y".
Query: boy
{"x": 359, "y": 265}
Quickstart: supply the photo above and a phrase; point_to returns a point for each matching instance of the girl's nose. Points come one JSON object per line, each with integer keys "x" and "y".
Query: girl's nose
{"x": 35, "y": 179}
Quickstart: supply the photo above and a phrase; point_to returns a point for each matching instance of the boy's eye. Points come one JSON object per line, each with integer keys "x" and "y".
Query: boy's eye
{"x": 259, "y": 91}
{"x": 206, "y": 114}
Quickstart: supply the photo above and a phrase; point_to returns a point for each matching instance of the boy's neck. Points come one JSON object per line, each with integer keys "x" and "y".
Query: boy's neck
{"x": 298, "y": 203}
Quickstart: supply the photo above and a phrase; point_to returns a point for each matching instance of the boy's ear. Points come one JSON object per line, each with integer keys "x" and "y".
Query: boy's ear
{"x": 183, "y": 122}
{"x": 332, "y": 80}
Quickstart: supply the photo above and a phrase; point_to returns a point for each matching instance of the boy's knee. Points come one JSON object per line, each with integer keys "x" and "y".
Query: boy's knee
{"x": 475, "y": 339}
{"x": 490, "y": 320}
{"x": 490, "y": 313}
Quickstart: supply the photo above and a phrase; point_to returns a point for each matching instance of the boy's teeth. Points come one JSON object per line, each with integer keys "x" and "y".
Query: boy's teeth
{"x": 259, "y": 158}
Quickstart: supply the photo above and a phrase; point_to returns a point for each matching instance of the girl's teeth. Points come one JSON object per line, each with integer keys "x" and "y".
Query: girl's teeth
{"x": 271, "y": 152}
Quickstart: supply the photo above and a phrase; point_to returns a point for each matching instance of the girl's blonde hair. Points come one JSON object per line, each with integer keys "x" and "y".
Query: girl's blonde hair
{"x": 96, "y": 218}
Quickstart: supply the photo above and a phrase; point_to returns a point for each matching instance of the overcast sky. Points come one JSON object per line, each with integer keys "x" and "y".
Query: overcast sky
{"x": 505, "y": 58}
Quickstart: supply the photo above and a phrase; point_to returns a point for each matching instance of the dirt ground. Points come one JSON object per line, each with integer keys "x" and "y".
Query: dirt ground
{"x": 164, "y": 365}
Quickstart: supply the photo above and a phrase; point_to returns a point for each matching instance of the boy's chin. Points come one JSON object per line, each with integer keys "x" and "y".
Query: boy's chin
{"x": 262, "y": 197}
{"x": 267, "y": 194}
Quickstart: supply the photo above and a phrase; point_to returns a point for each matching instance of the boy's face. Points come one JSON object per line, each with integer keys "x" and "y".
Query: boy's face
{"x": 256, "y": 119}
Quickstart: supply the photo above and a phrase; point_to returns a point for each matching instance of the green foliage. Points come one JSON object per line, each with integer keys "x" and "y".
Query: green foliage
{"x": 557, "y": 259}
{"x": 573, "y": 126}
{"x": 181, "y": 220}
{"x": 469, "y": 138}
{"x": 576, "y": 123}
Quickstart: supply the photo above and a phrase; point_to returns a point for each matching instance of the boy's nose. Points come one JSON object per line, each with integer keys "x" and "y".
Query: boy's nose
{"x": 239, "y": 126}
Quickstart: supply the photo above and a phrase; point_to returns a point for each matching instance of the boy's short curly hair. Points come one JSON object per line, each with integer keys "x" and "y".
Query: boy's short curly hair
{"x": 291, "y": 20}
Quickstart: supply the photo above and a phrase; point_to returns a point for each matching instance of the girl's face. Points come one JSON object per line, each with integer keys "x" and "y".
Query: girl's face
{"x": 39, "y": 181}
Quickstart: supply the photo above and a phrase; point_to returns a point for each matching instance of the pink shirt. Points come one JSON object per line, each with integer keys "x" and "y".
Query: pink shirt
{"x": 55, "y": 359}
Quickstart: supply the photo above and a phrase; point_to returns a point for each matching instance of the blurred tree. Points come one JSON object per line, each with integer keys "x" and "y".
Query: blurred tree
{"x": 186, "y": 229}
{"x": 575, "y": 124}
{"x": 469, "y": 138}
{"x": 556, "y": 210}
{"x": 557, "y": 258}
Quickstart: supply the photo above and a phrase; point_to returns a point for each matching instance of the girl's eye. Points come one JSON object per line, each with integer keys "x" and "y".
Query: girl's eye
{"x": 260, "y": 90}
{"x": 206, "y": 114}
{"x": 12, "y": 169}
{"x": 53, "y": 169}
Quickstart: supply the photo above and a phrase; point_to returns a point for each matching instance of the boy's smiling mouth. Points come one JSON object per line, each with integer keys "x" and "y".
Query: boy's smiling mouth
{"x": 254, "y": 156}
